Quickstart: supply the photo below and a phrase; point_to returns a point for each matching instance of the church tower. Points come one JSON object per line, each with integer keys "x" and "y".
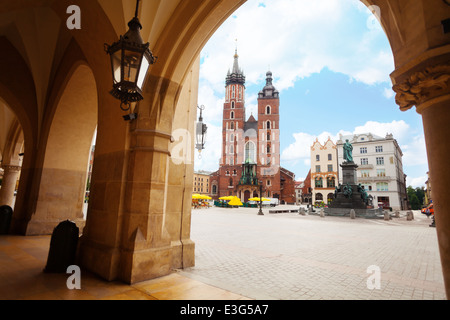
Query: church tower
{"x": 233, "y": 113}
{"x": 269, "y": 135}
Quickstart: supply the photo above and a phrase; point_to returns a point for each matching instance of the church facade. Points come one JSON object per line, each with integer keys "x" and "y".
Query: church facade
{"x": 250, "y": 147}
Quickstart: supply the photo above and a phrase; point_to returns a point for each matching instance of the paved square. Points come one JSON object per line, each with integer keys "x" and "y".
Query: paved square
{"x": 292, "y": 257}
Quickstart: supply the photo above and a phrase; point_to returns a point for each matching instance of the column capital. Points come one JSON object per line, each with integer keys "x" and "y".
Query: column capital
{"x": 11, "y": 168}
{"x": 424, "y": 87}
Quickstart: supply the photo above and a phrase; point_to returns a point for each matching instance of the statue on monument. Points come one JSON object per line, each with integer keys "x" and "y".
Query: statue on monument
{"x": 348, "y": 148}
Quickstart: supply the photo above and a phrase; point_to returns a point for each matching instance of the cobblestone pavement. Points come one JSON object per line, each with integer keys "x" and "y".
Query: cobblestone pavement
{"x": 292, "y": 257}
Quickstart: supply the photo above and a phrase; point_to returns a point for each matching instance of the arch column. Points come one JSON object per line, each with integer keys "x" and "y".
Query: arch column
{"x": 10, "y": 176}
{"x": 426, "y": 85}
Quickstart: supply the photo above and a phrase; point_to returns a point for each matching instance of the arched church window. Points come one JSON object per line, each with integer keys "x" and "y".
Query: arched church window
{"x": 250, "y": 153}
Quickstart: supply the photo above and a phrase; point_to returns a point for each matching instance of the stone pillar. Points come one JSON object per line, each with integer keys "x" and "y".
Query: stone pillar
{"x": 10, "y": 176}
{"x": 146, "y": 244}
{"x": 427, "y": 86}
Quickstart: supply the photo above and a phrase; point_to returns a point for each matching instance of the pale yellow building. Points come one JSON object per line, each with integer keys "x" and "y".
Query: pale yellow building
{"x": 324, "y": 171}
{"x": 201, "y": 182}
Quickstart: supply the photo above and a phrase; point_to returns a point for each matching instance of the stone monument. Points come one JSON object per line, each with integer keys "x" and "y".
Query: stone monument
{"x": 350, "y": 195}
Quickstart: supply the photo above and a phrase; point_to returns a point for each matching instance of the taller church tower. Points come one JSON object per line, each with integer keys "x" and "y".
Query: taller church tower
{"x": 233, "y": 113}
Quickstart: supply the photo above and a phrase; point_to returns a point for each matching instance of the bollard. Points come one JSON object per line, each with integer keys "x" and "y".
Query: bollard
{"x": 352, "y": 214}
{"x": 409, "y": 216}
{"x": 386, "y": 215}
{"x": 322, "y": 213}
{"x": 302, "y": 211}
{"x": 63, "y": 247}
{"x": 5, "y": 219}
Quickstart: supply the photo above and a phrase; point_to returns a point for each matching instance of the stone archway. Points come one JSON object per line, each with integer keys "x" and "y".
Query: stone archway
{"x": 64, "y": 170}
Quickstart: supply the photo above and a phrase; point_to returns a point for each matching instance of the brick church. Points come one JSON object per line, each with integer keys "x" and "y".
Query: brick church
{"x": 250, "y": 147}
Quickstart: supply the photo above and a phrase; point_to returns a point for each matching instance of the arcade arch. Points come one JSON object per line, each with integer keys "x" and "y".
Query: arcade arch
{"x": 132, "y": 177}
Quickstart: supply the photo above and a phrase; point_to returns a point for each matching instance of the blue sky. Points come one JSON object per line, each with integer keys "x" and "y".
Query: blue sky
{"x": 330, "y": 61}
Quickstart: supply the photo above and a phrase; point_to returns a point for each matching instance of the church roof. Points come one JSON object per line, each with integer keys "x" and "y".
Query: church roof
{"x": 251, "y": 119}
{"x": 269, "y": 91}
{"x": 236, "y": 76}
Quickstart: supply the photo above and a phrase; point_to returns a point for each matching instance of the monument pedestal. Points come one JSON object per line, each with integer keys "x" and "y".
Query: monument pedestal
{"x": 351, "y": 195}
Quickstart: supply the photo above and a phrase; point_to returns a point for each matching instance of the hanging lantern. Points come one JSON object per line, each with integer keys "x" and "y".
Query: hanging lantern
{"x": 201, "y": 131}
{"x": 130, "y": 61}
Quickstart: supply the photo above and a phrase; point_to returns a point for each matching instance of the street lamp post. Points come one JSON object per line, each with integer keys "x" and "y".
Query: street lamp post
{"x": 260, "y": 213}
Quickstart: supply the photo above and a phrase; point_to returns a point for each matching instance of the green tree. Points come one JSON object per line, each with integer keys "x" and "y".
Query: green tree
{"x": 414, "y": 202}
{"x": 415, "y": 197}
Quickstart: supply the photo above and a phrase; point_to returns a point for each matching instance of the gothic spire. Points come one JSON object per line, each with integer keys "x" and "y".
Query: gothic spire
{"x": 237, "y": 75}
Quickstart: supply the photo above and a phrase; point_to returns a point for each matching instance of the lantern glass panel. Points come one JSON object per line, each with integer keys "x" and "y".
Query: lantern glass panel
{"x": 143, "y": 72}
{"x": 199, "y": 133}
{"x": 131, "y": 64}
{"x": 116, "y": 59}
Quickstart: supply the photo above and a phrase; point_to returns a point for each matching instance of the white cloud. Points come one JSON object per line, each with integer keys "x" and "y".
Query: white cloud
{"x": 399, "y": 129}
{"x": 416, "y": 182}
{"x": 296, "y": 39}
{"x": 388, "y": 93}
{"x": 415, "y": 152}
{"x": 413, "y": 149}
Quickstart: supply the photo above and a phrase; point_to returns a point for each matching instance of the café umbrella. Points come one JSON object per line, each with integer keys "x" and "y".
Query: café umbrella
{"x": 235, "y": 202}
{"x": 257, "y": 199}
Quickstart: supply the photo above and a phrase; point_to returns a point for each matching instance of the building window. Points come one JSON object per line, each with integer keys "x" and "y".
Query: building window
{"x": 381, "y": 173}
{"x": 363, "y": 150}
{"x": 364, "y": 161}
{"x": 379, "y": 149}
{"x": 365, "y": 173}
{"x": 317, "y": 157}
{"x": 330, "y": 168}
{"x": 232, "y": 104}
{"x": 268, "y": 110}
{"x": 268, "y": 182}
{"x": 366, "y": 186}
{"x": 231, "y": 149}
{"x": 268, "y": 125}
{"x": 331, "y": 182}
{"x": 319, "y": 183}
{"x": 330, "y": 157}
{"x": 268, "y": 136}
{"x": 231, "y": 182}
{"x": 232, "y": 115}
{"x": 233, "y": 92}
{"x": 250, "y": 151}
{"x": 380, "y": 161}
{"x": 382, "y": 186}
{"x": 318, "y": 168}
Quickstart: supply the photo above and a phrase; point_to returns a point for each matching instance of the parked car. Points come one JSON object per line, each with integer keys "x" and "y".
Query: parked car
{"x": 428, "y": 210}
